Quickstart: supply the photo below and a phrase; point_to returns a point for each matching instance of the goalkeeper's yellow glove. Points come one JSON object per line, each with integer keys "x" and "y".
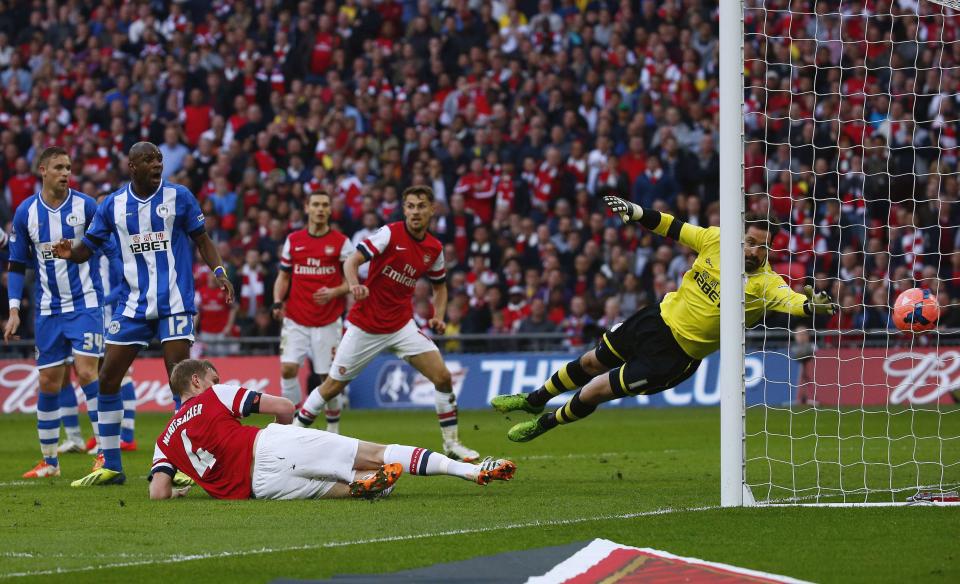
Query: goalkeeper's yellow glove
{"x": 818, "y": 302}
{"x": 628, "y": 211}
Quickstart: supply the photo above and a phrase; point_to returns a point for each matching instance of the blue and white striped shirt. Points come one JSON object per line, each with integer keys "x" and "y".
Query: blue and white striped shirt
{"x": 62, "y": 286}
{"x": 154, "y": 237}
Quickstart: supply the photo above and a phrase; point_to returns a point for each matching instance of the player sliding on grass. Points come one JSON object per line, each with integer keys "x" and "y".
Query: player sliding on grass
{"x": 206, "y": 440}
{"x": 660, "y": 346}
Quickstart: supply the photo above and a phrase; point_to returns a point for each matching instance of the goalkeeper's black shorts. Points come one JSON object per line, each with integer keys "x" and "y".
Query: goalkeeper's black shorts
{"x": 643, "y": 355}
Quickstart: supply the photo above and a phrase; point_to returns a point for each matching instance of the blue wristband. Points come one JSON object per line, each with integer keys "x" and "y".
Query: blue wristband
{"x": 220, "y": 272}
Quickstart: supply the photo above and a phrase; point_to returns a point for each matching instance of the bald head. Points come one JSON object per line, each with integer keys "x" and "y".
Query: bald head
{"x": 142, "y": 149}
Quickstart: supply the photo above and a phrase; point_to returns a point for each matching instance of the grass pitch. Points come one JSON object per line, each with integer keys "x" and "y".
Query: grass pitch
{"x": 648, "y": 478}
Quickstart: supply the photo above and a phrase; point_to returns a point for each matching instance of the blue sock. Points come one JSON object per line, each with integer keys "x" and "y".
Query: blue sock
{"x": 129, "y": 395}
{"x": 48, "y": 425}
{"x": 110, "y": 413}
{"x": 92, "y": 392}
{"x": 68, "y": 411}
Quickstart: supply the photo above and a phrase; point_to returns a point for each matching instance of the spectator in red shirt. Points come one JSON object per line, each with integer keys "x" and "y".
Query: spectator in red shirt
{"x": 21, "y": 185}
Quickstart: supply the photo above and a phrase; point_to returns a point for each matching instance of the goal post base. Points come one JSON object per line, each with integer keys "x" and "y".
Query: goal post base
{"x": 875, "y": 504}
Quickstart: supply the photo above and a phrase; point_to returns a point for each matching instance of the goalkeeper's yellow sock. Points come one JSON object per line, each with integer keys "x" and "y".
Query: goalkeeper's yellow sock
{"x": 568, "y": 378}
{"x": 573, "y": 410}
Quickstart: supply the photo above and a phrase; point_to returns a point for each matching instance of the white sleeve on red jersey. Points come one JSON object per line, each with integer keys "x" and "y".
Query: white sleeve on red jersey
{"x": 347, "y": 250}
{"x": 375, "y": 245}
{"x": 236, "y": 399}
{"x": 161, "y": 463}
{"x": 286, "y": 262}
{"x": 438, "y": 271}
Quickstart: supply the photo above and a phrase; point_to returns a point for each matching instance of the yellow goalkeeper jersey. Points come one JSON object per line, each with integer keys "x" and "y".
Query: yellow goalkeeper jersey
{"x": 693, "y": 311}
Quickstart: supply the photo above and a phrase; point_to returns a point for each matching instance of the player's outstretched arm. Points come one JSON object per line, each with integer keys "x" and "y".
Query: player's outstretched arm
{"x": 75, "y": 252}
{"x": 628, "y": 211}
{"x": 281, "y": 287}
{"x": 280, "y": 407}
{"x": 208, "y": 251}
{"x": 664, "y": 224}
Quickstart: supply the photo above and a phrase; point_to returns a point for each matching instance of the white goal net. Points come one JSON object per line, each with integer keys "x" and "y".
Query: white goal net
{"x": 850, "y": 141}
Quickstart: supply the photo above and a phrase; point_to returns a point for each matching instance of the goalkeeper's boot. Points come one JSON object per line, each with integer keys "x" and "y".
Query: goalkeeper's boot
{"x": 525, "y": 431}
{"x": 514, "y": 403}
{"x": 455, "y": 450}
{"x": 101, "y": 476}
{"x": 42, "y": 471}
{"x": 374, "y": 485}
{"x": 71, "y": 445}
{"x": 181, "y": 480}
{"x": 495, "y": 470}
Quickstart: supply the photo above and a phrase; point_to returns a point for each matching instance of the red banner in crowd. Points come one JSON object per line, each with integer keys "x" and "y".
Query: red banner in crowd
{"x": 881, "y": 376}
{"x": 18, "y": 381}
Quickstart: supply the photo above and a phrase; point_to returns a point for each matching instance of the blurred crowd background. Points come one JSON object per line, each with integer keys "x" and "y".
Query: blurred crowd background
{"x": 520, "y": 114}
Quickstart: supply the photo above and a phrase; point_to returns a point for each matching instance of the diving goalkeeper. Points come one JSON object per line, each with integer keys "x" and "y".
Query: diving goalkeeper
{"x": 658, "y": 347}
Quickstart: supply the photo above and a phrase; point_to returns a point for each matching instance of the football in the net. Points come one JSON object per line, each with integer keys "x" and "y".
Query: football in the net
{"x": 916, "y": 310}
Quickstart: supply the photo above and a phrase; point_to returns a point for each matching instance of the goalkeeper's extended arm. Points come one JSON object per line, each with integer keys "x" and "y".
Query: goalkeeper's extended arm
{"x": 818, "y": 302}
{"x": 629, "y": 212}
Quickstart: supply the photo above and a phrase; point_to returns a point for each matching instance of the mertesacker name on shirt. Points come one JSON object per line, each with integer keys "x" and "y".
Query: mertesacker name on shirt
{"x": 193, "y": 411}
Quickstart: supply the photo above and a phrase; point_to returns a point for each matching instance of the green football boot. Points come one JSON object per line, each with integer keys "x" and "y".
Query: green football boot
{"x": 514, "y": 403}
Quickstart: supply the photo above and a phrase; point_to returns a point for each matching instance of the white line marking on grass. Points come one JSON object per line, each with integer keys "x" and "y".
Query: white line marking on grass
{"x": 19, "y": 483}
{"x": 338, "y": 544}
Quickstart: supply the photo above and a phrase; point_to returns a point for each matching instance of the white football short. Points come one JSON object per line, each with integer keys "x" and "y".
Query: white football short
{"x": 358, "y": 348}
{"x": 301, "y": 463}
{"x": 319, "y": 343}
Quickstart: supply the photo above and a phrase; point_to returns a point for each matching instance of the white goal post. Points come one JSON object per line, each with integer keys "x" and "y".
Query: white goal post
{"x": 876, "y": 424}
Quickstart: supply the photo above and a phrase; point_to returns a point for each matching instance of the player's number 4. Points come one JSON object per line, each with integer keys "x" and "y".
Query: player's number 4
{"x": 201, "y": 459}
{"x": 178, "y": 324}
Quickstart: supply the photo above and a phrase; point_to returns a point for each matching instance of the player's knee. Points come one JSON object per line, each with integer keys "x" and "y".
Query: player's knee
{"x": 86, "y": 371}
{"x": 591, "y": 365}
{"x": 50, "y": 379}
{"x": 442, "y": 379}
{"x": 289, "y": 370}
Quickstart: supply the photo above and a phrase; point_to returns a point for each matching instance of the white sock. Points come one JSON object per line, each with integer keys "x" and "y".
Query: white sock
{"x": 423, "y": 462}
{"x": 314, "y": 403}
{"x": 332, "y": 412}
{"x": 291, "y": 389}
{"x": 446, "y": 404}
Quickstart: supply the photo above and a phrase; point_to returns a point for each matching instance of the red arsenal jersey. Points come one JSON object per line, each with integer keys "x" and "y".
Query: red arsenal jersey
{"x": 397, "y": 261}
{"x": 314, "y": 263}
{"x": 206, "y": 440}
{"x": 213, "y": 308}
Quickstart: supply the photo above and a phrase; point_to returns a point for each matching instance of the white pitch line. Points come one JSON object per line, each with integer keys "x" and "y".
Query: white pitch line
{"x": 18, "y": 483}
{"x": 337, "y": 544}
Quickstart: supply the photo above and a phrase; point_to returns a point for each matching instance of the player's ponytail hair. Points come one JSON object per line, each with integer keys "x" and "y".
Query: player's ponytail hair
{"x": 184, "y": 371}
{"x": 417, "y": 191}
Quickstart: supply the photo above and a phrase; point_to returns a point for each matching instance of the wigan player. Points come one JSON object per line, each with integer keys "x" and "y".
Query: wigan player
{"x": 382, "y": 318}
{"x": 311, "y": 270}
{"x": 206, "y": 440}
{"x": 67, "y": 298}
{"x": 153, "y": 222}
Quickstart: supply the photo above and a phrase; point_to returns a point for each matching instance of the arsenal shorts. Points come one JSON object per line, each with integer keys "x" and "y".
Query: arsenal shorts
{"x": 319, "y": 343}
{"x": 300, "y": 463}
{"x": 358, "y": 348}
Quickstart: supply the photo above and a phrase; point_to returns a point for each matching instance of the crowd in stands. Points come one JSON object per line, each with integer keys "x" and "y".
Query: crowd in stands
{"x": 520, "y": 114}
